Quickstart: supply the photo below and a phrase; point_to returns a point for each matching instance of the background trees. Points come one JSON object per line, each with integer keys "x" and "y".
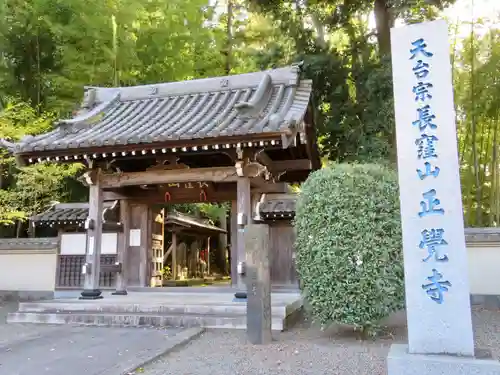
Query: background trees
{"x": 50, "y": 49}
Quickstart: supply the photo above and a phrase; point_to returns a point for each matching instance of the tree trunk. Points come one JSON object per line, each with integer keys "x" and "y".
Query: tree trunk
{"x": 320, "y": 31}
{"x": 19, "y": 227}
{"x": 383, "y": 21}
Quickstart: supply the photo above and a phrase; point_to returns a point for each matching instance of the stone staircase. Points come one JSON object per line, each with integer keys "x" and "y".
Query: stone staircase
{"x": 158, "y": 310}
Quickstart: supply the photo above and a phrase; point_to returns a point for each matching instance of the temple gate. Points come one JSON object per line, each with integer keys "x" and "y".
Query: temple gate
{"x": 226, "y": 139}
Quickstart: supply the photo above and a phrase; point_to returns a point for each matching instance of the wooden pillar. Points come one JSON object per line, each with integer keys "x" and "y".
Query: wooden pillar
{"x": 243, "y": 202}
{"x": 123, "y": 248}
{"x": 208, "y": 256}
{"x": 144, "y": 247}
{"x": 234, "y": 241}
{"x": 174, "y": 255}
{"x": 221, "y": 254}
{"x": 94, "y": 239}
{"x": 31, "y": 229}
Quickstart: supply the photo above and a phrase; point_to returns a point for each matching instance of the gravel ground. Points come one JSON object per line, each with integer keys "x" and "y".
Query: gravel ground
{"x": 303, "y": 350}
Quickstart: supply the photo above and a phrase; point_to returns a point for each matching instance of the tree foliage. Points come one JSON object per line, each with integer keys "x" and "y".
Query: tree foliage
{"x": 350, "y": 68}
{"x": 28, "y": 190}
{"x": 349, "y": 256}
{"x": 51, "y": 49}
{"x": 477, "y": 94}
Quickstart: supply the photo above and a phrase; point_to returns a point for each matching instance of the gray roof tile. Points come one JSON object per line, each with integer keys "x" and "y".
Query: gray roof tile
{"x": 240, "y": 105}
{"x": 278, "y": 204}
{"x": 47, "y": 243}
{"x": 67, "y": 212}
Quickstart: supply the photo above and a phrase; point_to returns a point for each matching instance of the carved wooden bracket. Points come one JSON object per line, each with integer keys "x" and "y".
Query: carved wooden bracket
{"x": 167, "y": 163}
{"x": 254, "y": 170}
{"x": 91, "y": 177}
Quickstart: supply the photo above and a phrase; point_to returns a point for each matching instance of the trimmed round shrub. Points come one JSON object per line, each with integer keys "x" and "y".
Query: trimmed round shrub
{"x": 349, "y": 245}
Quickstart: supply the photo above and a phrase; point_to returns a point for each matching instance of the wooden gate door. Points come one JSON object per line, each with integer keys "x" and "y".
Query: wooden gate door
{"x": 157, "y": 247}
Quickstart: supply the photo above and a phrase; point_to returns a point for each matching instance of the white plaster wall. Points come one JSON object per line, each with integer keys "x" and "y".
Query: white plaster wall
{"x": 484, "y": 264}
{"x": 74, "y": 243}
{"x": 31, "y": 271}
{"x": 27, "y": 271}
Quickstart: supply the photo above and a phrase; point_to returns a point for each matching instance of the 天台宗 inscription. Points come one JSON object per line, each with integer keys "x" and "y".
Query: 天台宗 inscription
{"x": 436, "y": 273}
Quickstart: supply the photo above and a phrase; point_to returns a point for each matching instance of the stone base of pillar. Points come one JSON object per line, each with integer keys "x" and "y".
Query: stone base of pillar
{"x": 400, "y": 362}
{"x": 91, "y": 294}
{"x": 120, "y": 293}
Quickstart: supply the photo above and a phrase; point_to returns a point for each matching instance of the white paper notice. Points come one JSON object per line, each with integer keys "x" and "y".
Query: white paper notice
{"x": 135, "y": 237}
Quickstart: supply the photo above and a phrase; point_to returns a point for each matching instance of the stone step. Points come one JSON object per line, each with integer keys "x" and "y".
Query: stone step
{"x": 139, "y": 319}
{"x": 148, "y": 308}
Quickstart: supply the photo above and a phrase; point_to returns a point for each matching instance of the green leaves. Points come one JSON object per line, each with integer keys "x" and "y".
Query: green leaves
{"x": 28, "y": 190}
{"x": 477, "y": 96}
{"x": 349, "y": 246}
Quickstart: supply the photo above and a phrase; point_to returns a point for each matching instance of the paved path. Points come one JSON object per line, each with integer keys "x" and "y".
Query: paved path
{"x": 59, "y": 350}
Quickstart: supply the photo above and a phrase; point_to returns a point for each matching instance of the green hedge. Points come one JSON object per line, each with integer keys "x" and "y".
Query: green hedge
{"x": 349, "y": 246}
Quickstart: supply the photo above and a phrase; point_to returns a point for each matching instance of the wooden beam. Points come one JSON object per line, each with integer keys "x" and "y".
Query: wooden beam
{"x": 292, "y": 165}
{"x": 263, "y": 158}
{"x": 279, "y": 166}
{"x": 165, "y": 256}
{"x": 279, "y": 187}
{"x": 112, "y": 227}
{"x": 217, "y": 174}
{"x": 311, "y": 139}
{"x": 193, "y": 196}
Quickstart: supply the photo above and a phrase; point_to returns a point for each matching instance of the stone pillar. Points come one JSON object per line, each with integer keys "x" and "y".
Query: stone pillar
{"x": 258, "y": 278}
{"x": 440, "y": 339}
{"x": 93, "y": 226}
{"x": 123, "y": 248}
{"x": 243, "y": 219}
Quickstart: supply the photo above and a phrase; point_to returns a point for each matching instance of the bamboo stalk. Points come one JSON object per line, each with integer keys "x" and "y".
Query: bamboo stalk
{"x": 495, "y": 178}
{"x": 115, "y": 50}
{"x": 229, "y": 37}
{"x": 484, "y": 154}
{"x": 474, "y": 162}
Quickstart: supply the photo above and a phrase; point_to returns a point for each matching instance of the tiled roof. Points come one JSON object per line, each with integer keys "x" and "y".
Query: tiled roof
{"x": 68, "y": 213}
{"x": 233, "y": 106}
{"x": 478, "y": 235}
{"x": 28, "y": 243}
{"x": 277, "y": 206}
{"x": 188, "y": 221}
